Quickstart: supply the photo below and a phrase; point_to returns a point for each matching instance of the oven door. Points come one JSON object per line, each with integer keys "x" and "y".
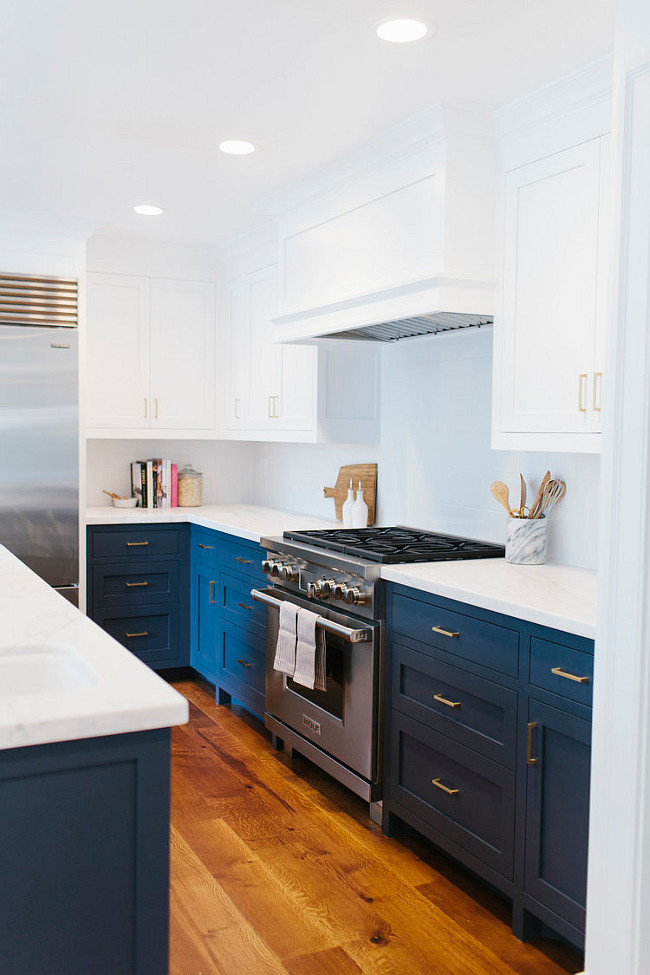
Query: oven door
{"x": 342, "y": 720}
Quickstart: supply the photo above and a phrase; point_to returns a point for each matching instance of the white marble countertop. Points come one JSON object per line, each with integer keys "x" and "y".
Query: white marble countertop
{"x": 115, "y": 693}
{"x": 245, "y": 520}
{"x": 558, "y": 596}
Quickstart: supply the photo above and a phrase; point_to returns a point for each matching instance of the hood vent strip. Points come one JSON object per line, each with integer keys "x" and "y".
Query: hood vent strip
{"x": 405, "y": 328}
{"x": 38, "y": 301}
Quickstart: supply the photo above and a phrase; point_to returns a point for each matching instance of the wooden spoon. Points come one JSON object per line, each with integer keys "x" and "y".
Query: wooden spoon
{"x": 522, "y": 496}
{"x": 112, "y": 494}
{"x": 500, "y": 492}
{"x": 535, "y": 508}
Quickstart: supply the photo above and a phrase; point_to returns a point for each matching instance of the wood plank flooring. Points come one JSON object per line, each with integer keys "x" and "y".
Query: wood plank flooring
{"x": 283, "y": 873}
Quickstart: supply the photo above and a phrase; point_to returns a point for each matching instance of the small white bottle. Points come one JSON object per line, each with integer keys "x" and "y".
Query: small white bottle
{"x": 348, "y": 508}
{"x": 359, "y": 511}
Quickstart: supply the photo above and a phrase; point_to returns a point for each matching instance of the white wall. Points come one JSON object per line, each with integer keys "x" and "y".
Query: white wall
{"x": 435, "y": 460}
{"x": 227, "y": 468}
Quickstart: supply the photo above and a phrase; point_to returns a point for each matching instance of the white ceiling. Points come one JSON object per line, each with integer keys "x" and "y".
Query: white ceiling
{"x": 105, "y": 105}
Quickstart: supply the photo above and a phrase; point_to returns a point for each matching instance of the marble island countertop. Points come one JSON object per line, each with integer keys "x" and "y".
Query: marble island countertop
{"x": 557, "y": 596}
{"x": 62, "y": 678}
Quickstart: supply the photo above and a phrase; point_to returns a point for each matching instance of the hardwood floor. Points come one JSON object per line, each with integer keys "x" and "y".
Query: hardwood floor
{"x": 274, "y": 872}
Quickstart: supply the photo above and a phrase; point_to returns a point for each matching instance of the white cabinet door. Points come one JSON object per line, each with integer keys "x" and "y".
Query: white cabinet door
{"x": 550, "y": 292}
{"x": 265, "y": 357}
{"x": 182, "y": 355}
{"x": 296, "y": 407}
{"x": 117, "y": 352}
{"x": 603, "y": 294}
{"x": 238, "y": 344}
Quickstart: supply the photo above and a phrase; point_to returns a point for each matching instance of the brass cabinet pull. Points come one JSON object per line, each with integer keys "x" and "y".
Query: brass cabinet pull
{"x": 443, "y": 700}
{"x": 244, "y": 606}
{"x": 243, "y": 663}
{"x": 245, "y": 561}
{"x": 275, "y": 412}
{"x": 144, "y": 633}
{"x": 445, "y": 788}
{"x": 211, "y": 598}
{"x": 135, "y": 544}
{"x": 581, "y": 386}
{"x": 529, "y": 743}
{"x": 134, "y": 585}
{"x": 237, "y": 401}
{"x": 597, "y": 388}
{"x": 145, "y": 407}
{"x": 439, "y": 629}
{"x": 155, "y": 401}
{"x": 269, "y": 410}
{"x": 204, "y": 546}
{"x": 564, "y": 673}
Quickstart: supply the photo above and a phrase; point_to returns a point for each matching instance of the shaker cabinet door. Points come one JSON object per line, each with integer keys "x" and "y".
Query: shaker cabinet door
{"x": 117, "y": 352}
{"x": 182, "y": 355}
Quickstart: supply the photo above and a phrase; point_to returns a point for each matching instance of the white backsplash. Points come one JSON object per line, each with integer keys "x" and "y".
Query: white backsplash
{"x": 227, "y": 468}
{"x": 435, "y": 460}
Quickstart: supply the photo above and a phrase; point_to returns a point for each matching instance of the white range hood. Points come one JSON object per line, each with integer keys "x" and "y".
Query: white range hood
{"x": 403, "y": 244}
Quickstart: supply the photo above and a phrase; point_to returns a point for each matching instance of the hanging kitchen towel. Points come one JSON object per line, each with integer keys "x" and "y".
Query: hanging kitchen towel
{"x": 310, "y": 652}
{"x": 285, "y": 648}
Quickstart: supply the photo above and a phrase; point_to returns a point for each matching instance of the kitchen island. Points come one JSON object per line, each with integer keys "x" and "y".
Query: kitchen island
{"x": 84, "y": 791}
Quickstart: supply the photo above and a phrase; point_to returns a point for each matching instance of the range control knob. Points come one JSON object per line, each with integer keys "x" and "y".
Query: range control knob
{"x": 266, "y": 565}
{"x": 339, "y": 591}
{"x": 321, "y": 589}
{"x": 288, "y": 572}
{"x": 354, "y": 596}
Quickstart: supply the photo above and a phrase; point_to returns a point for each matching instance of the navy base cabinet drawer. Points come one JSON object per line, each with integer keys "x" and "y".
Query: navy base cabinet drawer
{"x": 242, "y": 669}
{"x": 152, "y": 635}
{"x": 469, "y": 638}
{"x": 474, "y": 712}
{"x": 139, "y": 582}
{"x": 243, "y": 558}
{"x": 465, "y": 797}
{"x": 136, "y": 543}
{"x": 238, "y": 606}
{"x": 562, "y": 670}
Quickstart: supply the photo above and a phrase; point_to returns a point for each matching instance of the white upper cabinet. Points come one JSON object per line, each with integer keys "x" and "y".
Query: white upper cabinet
{"x": 150, "y": 363}
{"x": 549, "y": 328}
{"x": 292, "y": 392}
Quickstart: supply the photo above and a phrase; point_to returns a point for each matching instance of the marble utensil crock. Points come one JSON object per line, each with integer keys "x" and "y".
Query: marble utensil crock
{"x": 526, "y": 541}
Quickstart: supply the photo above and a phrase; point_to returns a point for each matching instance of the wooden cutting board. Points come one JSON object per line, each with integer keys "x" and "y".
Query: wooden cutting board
{"x": 367, "y": 474}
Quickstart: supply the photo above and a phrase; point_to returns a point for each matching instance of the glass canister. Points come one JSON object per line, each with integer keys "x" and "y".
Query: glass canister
{"x": 190, "y": 488}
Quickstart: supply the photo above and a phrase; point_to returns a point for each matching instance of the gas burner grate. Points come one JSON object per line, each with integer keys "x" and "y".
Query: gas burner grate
{"x": 398, "y": 544}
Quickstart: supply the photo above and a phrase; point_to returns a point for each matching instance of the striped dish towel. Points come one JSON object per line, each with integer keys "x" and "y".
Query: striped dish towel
{"x": 310, "y": 652}
{"x": 285, "y": 648}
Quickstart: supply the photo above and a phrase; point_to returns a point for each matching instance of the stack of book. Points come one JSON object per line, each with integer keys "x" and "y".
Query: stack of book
{"x": 155, "y": 483}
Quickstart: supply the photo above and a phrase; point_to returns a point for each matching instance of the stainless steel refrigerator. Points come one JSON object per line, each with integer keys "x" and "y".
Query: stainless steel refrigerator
{"x": 39, "y": 451}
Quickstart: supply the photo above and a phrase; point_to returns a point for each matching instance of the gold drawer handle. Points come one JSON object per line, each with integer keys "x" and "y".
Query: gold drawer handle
{"x": 581, "y": 387}
{"x": 243, "y": 663}
{"x": 211, "y": 598}
{"x": 245, "y": 561}
{"x": 443, "y": 700}
{"x": 445, "y": 788}
{"x": 439, "y": 629}
{"x": 135, "y": 544}
{"x": 205, "y": 546}
{"x": 596, "y": 399}
{"x": 529, "y": 743}
{"x": 244, "y": 606}
{"x": 144, "y": 633}
{"x": 133, "y": 585}
{"x": 563, "y": 673}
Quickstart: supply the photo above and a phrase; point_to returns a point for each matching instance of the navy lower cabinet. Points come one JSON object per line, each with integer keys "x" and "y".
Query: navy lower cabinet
{"x": 487, "y": 750}
{"x": 138, "y": 589}
{"x": 84, "y": 871}
{"x": 227, "y": 633}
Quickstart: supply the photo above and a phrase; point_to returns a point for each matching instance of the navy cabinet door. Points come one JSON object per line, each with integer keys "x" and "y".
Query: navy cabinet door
{"x": 557, "y": 814}
{"x": 205, "y": 620}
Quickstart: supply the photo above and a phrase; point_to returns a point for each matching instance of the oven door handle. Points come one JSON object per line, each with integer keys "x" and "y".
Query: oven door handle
{"x": 349, "y": 633}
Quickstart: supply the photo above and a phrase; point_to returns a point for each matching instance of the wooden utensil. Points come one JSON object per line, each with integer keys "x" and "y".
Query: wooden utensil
{"x": 500, "y": 492}
{"x": 367, "y": 474}
{"x": 553, "y": 494}
{"x": 112, "y": 494}
{"x": 522, "y": 496}
{"x": 535, "y": 508}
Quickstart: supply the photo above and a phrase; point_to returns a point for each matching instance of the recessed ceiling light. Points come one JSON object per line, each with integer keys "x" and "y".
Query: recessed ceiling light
{"x": 402, "y": 31}
{"x": 146, "y": 210}
{"x": 237, "y": 147}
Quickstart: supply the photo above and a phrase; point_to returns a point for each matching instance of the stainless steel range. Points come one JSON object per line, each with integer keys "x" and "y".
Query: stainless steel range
{"x": 337, "y": 574}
